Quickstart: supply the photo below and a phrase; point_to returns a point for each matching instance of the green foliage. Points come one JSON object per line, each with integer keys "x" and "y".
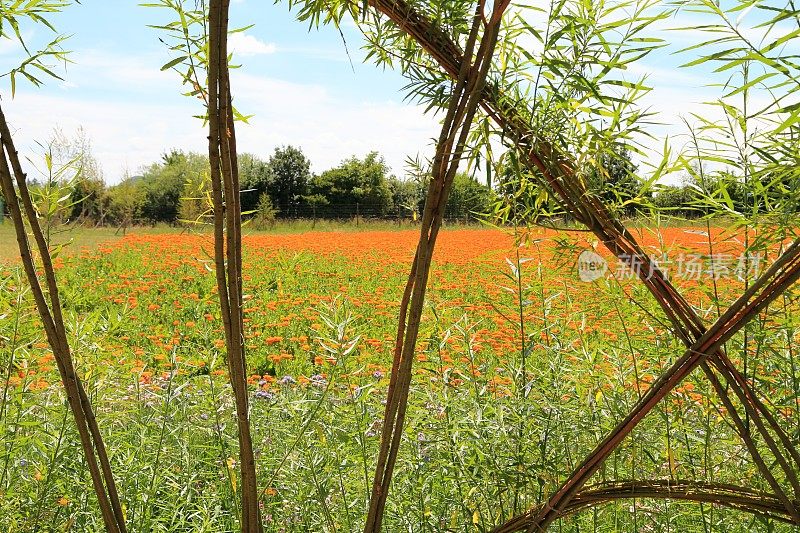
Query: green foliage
{"x": 53, "y": 189}
{"x": 163, "y": 184}
{"x": 520, "y": 198}
{"x": 88, "y": 200}
{"x": 563, "y": 66}
{"x": 288, "y": 173}
{"x": 254, "y": 176}
{"x": 14, "y": 19}
{"x": 265, "y": 213}
{"x": 614, "y": 180}
{"x": 469, "y": 200}
{"x": 196, "y": 205}
{"x": 407, "y": 195}
{"x": 186, "y": 36}
{"x": 745, "y": 164}
{"x": 314, "y": 202}
{"x": 284, "y": 178}
{"x": 356, "y": 187}
{"x": 126, "y": 202}
{"x": 177, "y": 188}
{"x": 676, "y": 200}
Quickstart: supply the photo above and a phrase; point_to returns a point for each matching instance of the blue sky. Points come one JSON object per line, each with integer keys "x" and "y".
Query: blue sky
{"x": 300, "y": 86}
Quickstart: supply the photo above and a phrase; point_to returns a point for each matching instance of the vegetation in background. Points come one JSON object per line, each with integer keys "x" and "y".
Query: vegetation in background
{"x": 176, "y": 190}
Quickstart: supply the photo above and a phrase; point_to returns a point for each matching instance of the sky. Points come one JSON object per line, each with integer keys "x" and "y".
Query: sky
{"x": 300, "y": 86}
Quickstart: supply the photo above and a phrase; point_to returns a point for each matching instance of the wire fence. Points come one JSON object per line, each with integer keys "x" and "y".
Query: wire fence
{"x": 462, "y": 213}
{"x": 466, "y": 213}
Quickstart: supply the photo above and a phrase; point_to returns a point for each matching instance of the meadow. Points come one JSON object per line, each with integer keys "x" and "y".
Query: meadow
{"x": 521, "y": 370}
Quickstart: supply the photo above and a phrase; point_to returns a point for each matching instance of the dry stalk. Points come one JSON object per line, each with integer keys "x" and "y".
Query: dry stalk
{"x": 725, "y": 495}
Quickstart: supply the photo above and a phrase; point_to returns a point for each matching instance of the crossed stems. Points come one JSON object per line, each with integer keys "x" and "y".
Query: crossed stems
{"x": 556, "y": 172}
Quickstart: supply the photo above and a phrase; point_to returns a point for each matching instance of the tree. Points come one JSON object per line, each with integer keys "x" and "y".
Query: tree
{"x": 163, "y": 184}
{"x": 125, "y": 202}
{"x": 614, "y": 180}
{"x": 265, "y": 213}
{"x": 676, "y": 200}
{"x": 88, "y": 200}
{"x": 254, "y": 176}
{"x": 88, "y": 186}
{"x": 314, "y": 202}
{"x": 406, "y": 196}
{"x": 468, "y": 200}
{"x": 356, "y": 187}
{"x": 289, "y": 172}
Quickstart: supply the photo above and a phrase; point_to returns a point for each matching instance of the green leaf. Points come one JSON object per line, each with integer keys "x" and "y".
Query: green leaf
{"x": 174, "y": 62}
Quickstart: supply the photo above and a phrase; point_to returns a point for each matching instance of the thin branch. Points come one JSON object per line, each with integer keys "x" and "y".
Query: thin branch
{"x": 51, "y": 315}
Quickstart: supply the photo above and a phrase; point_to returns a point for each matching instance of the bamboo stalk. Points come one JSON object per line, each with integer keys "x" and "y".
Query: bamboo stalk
{"x": 450, "y": 147}
{"x": 228, "y": 248}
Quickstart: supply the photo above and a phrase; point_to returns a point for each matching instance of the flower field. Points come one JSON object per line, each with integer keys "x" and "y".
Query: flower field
{"x": 521, "y": 370}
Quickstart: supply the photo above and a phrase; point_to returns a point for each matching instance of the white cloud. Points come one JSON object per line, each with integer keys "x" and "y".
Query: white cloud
{"x": 9, "y": 45}
{"x": 329, "y": 128}
{"x": 132, "y": 114}
{"x": 248, "y": 45}
{"x": 124, "y": 135}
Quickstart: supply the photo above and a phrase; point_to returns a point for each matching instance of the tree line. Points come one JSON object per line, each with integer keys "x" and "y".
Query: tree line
{"x": 176, "y": 189}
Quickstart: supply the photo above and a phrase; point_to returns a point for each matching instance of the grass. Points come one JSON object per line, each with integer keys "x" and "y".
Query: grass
{"x": 79, "y": 238}
{"x": 521, "y": 370}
